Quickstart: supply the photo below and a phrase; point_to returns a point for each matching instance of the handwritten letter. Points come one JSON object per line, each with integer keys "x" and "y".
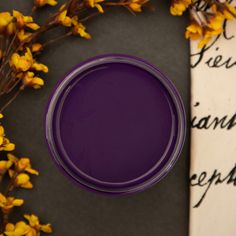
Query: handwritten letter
{"x": 213, "y": 141}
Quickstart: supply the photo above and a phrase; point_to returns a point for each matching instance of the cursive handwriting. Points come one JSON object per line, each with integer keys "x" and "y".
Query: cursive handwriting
{"x": 207, "y": 122}
{"x": 204, "y": 180}
{"x": 218, "y": 60}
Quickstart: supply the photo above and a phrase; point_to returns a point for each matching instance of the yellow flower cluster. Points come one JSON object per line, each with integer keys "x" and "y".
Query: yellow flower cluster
{"x": 67, "y": 21}
{"x": 24, "y": 65}
{"x": 5, "y": 144}
{"x": 17, "y": 22}
{"x": 205, "y": 23}
{"x": 213, "y": 25}
{"x": 22, "y": 61}
{"x": 179, "y": 6}
{"x": 32, "y": 228}
{"x": 19, "y": 170}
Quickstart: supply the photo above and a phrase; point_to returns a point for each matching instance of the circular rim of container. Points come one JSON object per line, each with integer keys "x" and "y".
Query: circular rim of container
{"x": 88, "y": 182}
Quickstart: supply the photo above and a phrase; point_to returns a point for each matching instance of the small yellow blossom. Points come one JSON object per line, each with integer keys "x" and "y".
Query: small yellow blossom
{"x": 30, "y": 80}
{"x": 95, "y": 3}
{"x": 24, "y": 36}
{"x": 179, "y": 6}
{"x": 21, "y": 180}
{"x": 193, "y": 31}
{"x": 208, "y": 36}
{"x": 21, "y": 63}
{"x": 41, "y": 3}
{"x": 11, "y": 28}
{"x": 5, "y": 20}
{"x": 36, "y": 47}
{"x": 23, "y": 21}
{"x": 40, "y": 67}
{"x": 7, "y": 203}
{"x": 19, "y": 229}
{"x": 63, "y": 19}
{"x": 80, "y": 29}
{"x": 25, "y": 62}
{"x": 1, "y": 115}
{"x": 4, "y": 166}
{"x": 136, "y": 5}
{"x": 5, "y": 144}
{"x": 35, "y": 224}
{"x": 22, "y": 164}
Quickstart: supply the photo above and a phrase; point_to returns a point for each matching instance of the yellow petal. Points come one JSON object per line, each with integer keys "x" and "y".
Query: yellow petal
{"x": 12, "y": 157}
{"x": 135, "y": 7}
{"x": 9, "y": 147}
{"x": 2, "y": 198}
{"x": 40, "y": 67}
{"x": 22, "y": 179}
{"x": 27, "y": 185}
{"x": 33, "y": 26}
{"x": 46, "y": 228}
{"x": 18, "y": 202}
{"x": 99, "y": 7}
{"x": 32, "y": 171}
{"x": 11, "y": 173}
{"x": 10, "y": 227}
{"x": 36, "y": 47}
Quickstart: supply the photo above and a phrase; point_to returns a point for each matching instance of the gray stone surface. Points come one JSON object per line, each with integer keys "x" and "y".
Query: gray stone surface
{"x": 161, "y": 210}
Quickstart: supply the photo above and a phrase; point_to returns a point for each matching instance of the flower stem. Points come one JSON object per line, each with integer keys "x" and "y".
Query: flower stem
{"x": 11, "y": 100}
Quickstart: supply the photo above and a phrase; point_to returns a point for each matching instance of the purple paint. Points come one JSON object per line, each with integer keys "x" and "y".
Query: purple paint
{"x": 115, "y": 124}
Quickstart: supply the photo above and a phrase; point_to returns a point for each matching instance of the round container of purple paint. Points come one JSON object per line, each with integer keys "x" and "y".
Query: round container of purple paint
{"x": 115, "y": 124}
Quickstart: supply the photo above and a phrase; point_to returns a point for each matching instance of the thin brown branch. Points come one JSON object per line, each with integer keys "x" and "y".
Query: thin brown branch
{"x": 11, "y": 99}
{"x": 56, "y": 39}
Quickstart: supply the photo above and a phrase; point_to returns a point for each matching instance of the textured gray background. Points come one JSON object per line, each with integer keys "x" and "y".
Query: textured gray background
{"x": 161, "y": 210}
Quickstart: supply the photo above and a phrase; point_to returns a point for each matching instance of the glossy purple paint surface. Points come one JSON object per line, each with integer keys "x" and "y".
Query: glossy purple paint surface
{"x": 114, "y": 126}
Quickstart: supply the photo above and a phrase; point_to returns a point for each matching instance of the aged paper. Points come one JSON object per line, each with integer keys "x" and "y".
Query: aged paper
{"x": 213, "y": 136}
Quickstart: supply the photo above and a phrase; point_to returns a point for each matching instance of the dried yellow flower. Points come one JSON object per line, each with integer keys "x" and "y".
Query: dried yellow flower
{"x": 5, "y": 144}
{"x": 21, "y": 180}
{"x": 40, "y": 67}
{"x": 36, "y": 47}
{"x": 4, "y": 166}
{"x": 23, "y": 21}
{"x": 80, "y": 29}
{"x": 179, "y": 6}
{"x": 24, "y": 36}
{"x": 95, "y": 3}
{"x": 5, "y": 21}
{"x": 21, "y": 63}
{"x": 30, "y": 80}
{"x": 26, "y": 62}
{"x": 136, "y": 5}
{"x": 11, "y": 28}
{"x": 41, "y": 3}
{"x": 35, "y": 224}
{"x": 193, "y": 31}
{"x": 19, "y": 229}
{"x": 63, "y": 19}
{"x": 7, "y": 203}
{"x": 22, "y": 164}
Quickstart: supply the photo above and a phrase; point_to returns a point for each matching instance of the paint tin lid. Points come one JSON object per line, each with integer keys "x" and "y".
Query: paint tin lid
{"x": 115, "y": 124}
